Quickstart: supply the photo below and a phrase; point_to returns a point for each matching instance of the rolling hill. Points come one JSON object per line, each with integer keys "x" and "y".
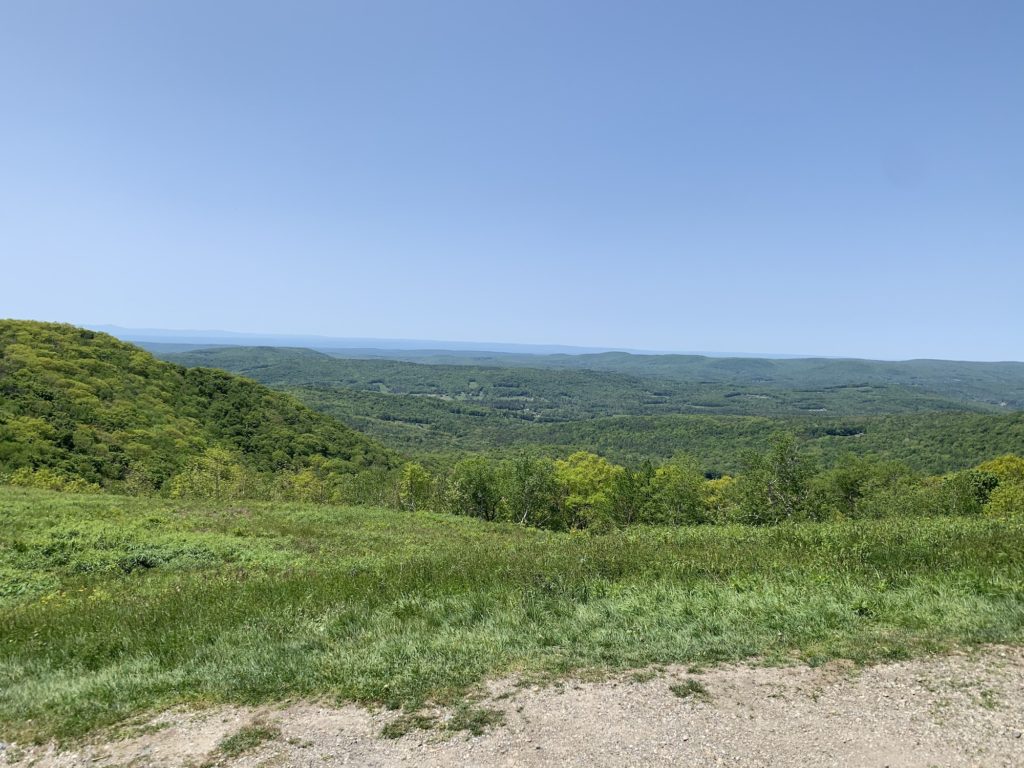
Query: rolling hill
{"x": 434, "y": 411}
{"x": 732, "y": 386}
{"x": 968, "y": 383}
{"x": 85, "y": 405}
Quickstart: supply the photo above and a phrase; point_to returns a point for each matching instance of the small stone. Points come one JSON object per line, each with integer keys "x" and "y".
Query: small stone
{"x": 1016, "y": 735}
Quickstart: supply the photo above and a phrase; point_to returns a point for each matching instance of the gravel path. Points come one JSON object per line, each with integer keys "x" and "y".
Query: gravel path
{"x": 965, "y": 709}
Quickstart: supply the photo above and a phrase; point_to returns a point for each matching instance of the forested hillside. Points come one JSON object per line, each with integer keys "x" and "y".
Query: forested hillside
{"x": 548, "y": 394}
{"x": 80, "y": 406}
{"x": 81, "y": 409}
{"x": 1000, "y": 384}
{"x": 558, "y": 449}
{"x": 435, "y": 411}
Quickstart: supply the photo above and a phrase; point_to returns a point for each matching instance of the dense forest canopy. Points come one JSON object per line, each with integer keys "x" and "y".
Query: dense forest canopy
{"x": 84, "y": 406}
{"x": 991, "y": 382}
{"x": 619, "y": 383}
{"x": 436, "y": 412}
{"x": 999, "y": 384}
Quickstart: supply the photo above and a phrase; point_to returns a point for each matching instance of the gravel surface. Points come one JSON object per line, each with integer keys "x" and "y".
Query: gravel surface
{"x": 965, "y": 709}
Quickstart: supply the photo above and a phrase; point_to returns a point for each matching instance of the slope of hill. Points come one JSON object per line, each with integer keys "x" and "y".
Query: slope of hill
{"x": 434, "y": 411}
{"x": 980, "y": 383}
{"x": 553, "y": 394}
{"x": 89, "y": 406}
{"x": 933, "y": 442}
{"x": 927, "y": 442}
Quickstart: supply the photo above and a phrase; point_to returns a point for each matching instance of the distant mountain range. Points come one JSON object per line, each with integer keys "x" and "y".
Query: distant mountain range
{"x": 183, "y": 340}
{"x": 933, "y": 415}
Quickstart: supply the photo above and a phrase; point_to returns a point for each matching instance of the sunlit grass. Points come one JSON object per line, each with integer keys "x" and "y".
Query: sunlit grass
{"x": 113, "y": 605}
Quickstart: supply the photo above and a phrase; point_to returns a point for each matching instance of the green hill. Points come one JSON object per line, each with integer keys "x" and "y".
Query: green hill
{"x": 998, "y": 384}
{"x": 433, "y": 411}
{"x": 85, "y": 405}
{"x": 732, "y": 387}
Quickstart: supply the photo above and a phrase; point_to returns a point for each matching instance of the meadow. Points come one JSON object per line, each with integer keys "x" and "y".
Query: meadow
{"x": 111, "y": 605}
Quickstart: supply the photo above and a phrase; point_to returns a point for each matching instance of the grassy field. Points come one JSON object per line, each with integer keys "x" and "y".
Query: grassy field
{"x": 113, "y": 605}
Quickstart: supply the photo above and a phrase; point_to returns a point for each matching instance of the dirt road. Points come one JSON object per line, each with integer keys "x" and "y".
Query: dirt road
{"x": 965, "y": 709}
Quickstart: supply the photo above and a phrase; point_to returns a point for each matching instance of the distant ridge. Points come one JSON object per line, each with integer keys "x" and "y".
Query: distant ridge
{"x": 194, "y": 339}
{"x": 935, "y": 416}
{"x": 709, "y": 384}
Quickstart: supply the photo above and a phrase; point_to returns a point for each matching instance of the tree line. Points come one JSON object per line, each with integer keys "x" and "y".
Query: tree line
{"x": 586, "y": 491}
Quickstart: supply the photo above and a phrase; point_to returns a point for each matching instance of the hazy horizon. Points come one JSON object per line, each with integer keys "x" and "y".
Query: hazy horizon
{"x": 839, "y": 179}
{"x": 224, "y": 337}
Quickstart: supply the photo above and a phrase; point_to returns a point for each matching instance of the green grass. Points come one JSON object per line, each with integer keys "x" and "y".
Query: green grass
{"x": 465, "y": 717}
{"x": 407, "y": 723}
{"x": 690, "y": 688}
{"x": 112, "y": 606}
{"x": 247, "y": 739}
{"x": 475, "y": 720}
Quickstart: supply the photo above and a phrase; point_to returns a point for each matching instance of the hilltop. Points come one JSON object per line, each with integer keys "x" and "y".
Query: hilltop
{"x": 83, "y": 406}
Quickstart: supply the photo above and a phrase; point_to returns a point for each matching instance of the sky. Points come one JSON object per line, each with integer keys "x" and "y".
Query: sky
{"x": 837, "y": 178}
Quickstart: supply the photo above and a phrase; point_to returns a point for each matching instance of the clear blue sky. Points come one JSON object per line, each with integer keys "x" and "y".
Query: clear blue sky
{"x": 842, "y": 178}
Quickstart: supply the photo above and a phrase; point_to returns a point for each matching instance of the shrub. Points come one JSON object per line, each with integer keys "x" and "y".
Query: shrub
{"x": 775, "y": 486}
{"x": 1008, "y": 468}
{"x": 415, "y": 487}
{"x": 529, "y": 491}
{"x": 860, "y": 486}
{"x": 1006, "y": 502}
{"x": 678, "y": 488}
{"x": 585, "y": 481}
{"x": 965, "y": 493}
{"x": 50, "y": 479}
{"x": 473, "y": 489}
